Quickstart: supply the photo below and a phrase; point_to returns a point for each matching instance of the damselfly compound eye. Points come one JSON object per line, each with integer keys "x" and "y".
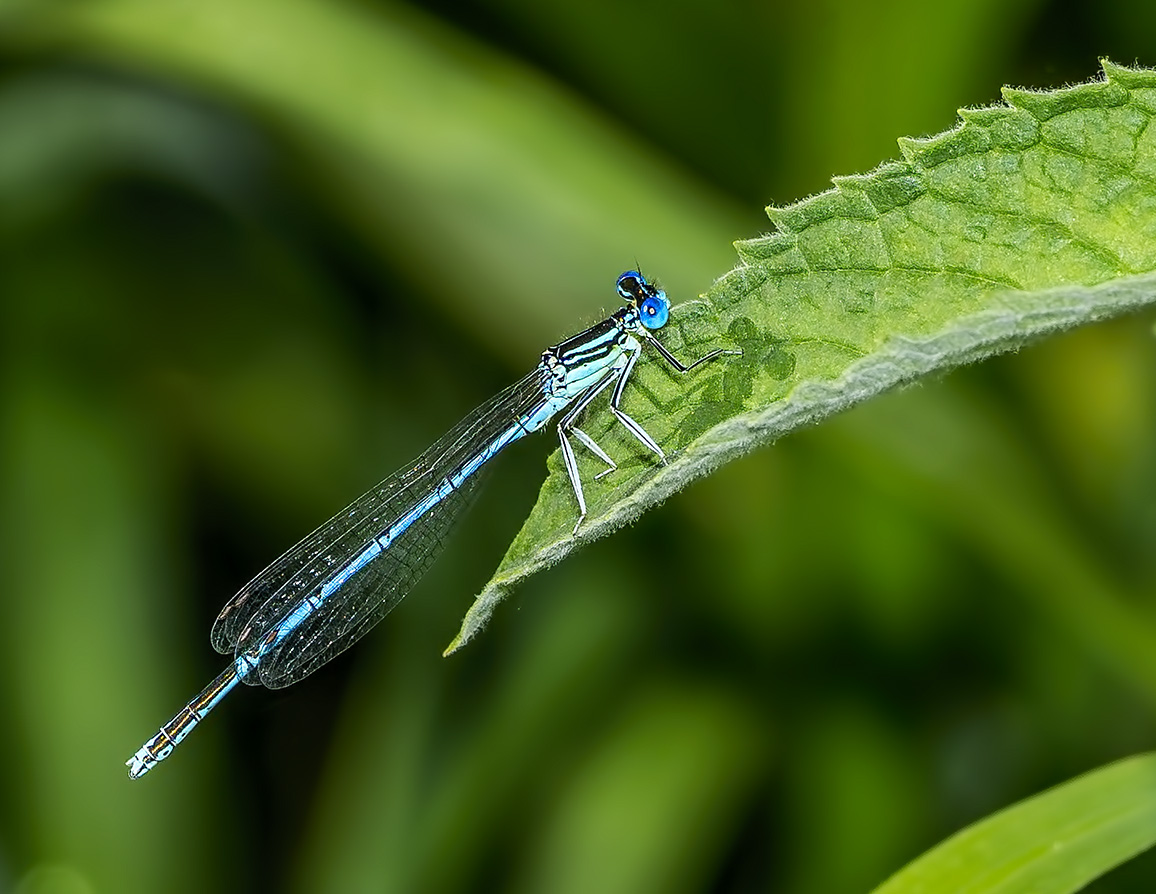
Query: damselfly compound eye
{"x": 654, "y": 311}
{"x": 633, "y": 287}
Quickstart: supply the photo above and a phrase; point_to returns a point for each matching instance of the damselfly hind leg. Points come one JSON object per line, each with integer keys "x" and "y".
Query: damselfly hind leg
{"x": 592, "y": 446}
{"x": 621, "y": 415}
{"x": 566, "y": 426}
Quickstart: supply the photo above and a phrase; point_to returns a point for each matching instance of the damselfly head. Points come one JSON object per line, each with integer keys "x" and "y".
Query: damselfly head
{"x": 653, "y": 306}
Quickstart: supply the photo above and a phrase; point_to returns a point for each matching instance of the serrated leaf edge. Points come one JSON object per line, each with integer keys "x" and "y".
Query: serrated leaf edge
{"x": 1018, "y": 318}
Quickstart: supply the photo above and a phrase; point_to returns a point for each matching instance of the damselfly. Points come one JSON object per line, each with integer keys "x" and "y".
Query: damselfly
{"x": 327, "y": 591}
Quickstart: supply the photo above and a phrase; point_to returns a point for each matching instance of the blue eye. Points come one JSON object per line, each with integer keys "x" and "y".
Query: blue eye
{"x": 654, "y": 311}
{"x": 631, "y": 285}
{"x": 653, "y": 308}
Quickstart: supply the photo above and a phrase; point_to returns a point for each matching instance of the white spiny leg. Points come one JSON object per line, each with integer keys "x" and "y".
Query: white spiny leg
{"x": 568, "y": 458}
{"x": 593, "y": 447}
{"x": 631, "y": 426}
{"x": 572, "y": 470}
{"x": 639, "y": 432}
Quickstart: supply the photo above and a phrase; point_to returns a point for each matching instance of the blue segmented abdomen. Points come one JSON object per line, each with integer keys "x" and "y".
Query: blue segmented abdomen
{"x": 348, "y": 598}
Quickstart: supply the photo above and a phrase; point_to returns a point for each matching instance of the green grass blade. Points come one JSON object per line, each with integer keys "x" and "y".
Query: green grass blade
{"x": 1054, "y": 843}
{"x": 1028, "y": 218}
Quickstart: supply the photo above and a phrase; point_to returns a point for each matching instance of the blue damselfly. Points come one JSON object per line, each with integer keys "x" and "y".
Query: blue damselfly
{"x": 327, "y": 591}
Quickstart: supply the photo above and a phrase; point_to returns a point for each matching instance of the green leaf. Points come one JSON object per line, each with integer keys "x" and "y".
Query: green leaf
{"x": 1028, "y": 218}
{"x": 1053, "y": 843}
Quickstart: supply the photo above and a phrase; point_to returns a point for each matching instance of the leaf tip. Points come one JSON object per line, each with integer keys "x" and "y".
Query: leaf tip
{"x": 476, "y": 617}
{"x": 455, "y": 644}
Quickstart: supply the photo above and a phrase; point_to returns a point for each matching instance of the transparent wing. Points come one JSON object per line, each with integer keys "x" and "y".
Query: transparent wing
{"x": 366, "y": 595}
{"x": 294, "y": 574}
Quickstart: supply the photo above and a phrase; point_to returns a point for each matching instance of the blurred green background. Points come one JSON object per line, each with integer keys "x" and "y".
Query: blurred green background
{"x": 255, "y": 254}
